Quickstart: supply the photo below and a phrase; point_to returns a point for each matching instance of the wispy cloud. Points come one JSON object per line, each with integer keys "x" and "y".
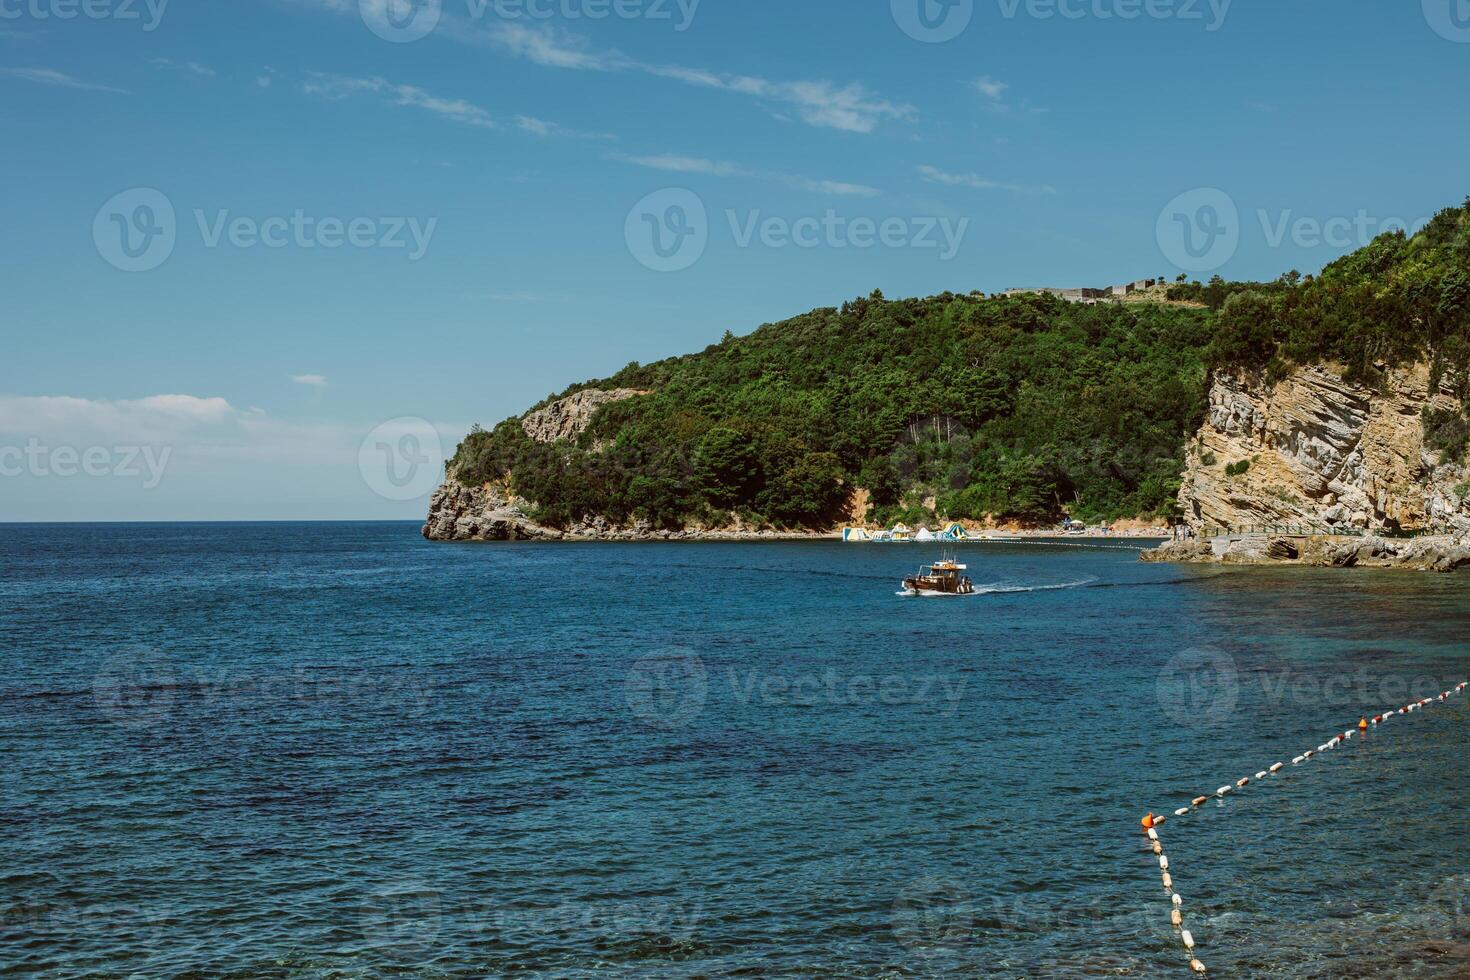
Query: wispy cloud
{"x": 411, "y": 96}
{"x": 310, "y": 380}
{"x": 993, "y": 95}
{"x": 934, "y": 175}
{"x": 673, "y": 163}
{"x": 193, "y": 67}
{"x": 848, "y": 107}
{"x": 543, "y": 128}
{"x": 991, "y": 88}
{"x": 50, "y": 76}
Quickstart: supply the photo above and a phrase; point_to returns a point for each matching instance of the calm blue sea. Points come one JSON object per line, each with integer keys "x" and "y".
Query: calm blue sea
{"x": 316, "y": 750}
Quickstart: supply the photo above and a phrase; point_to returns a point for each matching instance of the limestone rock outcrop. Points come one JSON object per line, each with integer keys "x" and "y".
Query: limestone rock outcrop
{"x": 460, "y": 513}
{"x": 569, "y": 417}
{"x": 1313, "y": 449}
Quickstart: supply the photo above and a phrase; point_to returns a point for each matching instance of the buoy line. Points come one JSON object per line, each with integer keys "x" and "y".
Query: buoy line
{"x": 1151, "y": 823}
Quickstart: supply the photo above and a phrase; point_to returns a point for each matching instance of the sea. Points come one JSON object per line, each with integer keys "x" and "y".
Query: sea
{"x": 338, "y": 750}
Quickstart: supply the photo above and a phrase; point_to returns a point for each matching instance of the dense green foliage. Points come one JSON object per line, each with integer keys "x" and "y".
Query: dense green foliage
{"x": 961, "y": 407}
{"x": 1398, "y": 300}
{"x": 1020, "y": 408}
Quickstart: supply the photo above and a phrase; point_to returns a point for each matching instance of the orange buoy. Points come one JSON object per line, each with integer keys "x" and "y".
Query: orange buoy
{"x": 1200, "y": 800}
{"x": 1242, "y": 782}
{"x": 1363, "y": 725}
{"x": 1148, "y": 822}
{"x": 1176, "y": 917}
{"x": 1168, "y": 881}
{"x": 1196, "y": 966}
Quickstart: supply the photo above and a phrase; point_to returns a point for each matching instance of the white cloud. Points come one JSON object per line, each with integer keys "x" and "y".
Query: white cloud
{"x": 189, "y": 66}
{"x": 994, "y": 92}
{"x": 50, "y": 76}
{"x": 543, "y": 129}
{"x": 934, "y": 175}
{"x": 850, "y": 108}
{"x": 673, "y": 163}
{"x": 991, "y": 88}
{"x": 341, "y": 86}
{"x": 311, "y": 380}
{"x": 193, "y": 427}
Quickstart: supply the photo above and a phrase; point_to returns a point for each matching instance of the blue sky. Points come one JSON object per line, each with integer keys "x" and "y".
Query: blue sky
{"x": 447, "y": 228}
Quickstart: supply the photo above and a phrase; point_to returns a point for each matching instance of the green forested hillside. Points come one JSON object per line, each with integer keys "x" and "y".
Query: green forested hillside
{"x": 963, "y": 407}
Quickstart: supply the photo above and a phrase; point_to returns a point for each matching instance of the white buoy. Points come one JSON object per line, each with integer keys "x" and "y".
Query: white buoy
{"x": 1260, "y": 775}
{"x": 1298, "y": 760}
{"x": 1163, "y": 862}
{"x": 1177, "y": 900}
{"x": 1223, "y": 790}
{"x": 1182, "y": 811}
{"x": 1188, "y": 940}
{"x": 1153, "y": 834}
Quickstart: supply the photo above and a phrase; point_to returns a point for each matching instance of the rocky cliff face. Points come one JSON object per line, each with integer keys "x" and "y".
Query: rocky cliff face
{"x": 570, "y": 417}
{"x": 493, "y": 512}
{"x": 1324, "y": 452}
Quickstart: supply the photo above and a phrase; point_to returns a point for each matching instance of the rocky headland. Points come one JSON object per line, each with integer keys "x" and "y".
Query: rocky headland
{"x": 1316, "y": 470}
{"x": 495, "y": 512}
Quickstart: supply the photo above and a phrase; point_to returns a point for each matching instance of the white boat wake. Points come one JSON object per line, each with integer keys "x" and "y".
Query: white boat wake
{"x": 1000, "y": 588}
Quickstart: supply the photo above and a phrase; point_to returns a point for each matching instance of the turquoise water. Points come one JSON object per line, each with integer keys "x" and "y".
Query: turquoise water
{"x": 338, "y": 750}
